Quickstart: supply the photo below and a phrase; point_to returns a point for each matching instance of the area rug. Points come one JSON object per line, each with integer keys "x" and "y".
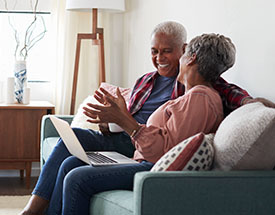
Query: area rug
{"x": 12, "y": 205}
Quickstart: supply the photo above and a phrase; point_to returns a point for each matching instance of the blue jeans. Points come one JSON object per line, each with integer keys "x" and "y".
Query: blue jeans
{"x": 69, "y": 183}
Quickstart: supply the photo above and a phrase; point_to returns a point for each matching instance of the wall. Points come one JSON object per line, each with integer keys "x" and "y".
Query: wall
{"x": 127, "y": 41}
{"x": 250, "y": 24}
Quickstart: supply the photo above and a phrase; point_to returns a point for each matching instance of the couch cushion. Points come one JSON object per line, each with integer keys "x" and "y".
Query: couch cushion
{"x": 246, "y": 139}
{"x": 117, "y": 202}
{"x": 48, "y": 146}
{"x": 194, "y": 153}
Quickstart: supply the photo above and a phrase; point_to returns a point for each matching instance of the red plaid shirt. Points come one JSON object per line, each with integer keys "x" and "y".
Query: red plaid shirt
{"x": 231, "y": 94}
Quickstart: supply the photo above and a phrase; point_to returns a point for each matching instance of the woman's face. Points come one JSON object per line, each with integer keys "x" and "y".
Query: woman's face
{"x": 165, "y": 54}
{"x": 187, "y": 74}
{"x": 182, "y": 77}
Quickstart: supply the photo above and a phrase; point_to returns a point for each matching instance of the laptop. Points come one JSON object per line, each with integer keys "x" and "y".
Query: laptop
{"x": 94, "y": 158}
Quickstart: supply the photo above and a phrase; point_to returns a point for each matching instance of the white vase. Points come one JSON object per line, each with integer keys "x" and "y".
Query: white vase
{"x": 20, "y": 80}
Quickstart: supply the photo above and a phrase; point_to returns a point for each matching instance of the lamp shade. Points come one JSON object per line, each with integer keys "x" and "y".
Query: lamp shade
{"x": 88, "y": 5}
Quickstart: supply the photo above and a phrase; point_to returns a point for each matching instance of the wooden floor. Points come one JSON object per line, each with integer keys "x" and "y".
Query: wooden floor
{"x": 15, "y": 186}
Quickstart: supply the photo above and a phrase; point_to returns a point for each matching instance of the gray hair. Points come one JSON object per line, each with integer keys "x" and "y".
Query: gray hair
{"x": 214, "y": 54}
{"x": 174, "y": 29}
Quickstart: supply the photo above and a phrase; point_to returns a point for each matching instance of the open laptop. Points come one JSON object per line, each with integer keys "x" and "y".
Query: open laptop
{"x": 92, "y": 158}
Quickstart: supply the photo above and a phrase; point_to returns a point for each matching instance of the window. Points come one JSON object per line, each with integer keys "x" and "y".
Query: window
{"x": 38, "y": 65}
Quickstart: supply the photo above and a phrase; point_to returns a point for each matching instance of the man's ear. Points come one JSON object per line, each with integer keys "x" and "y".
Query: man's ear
{"x": 184, "y": 47}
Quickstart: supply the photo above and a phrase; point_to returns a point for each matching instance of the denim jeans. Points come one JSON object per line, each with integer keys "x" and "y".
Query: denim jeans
{"x": 69, "y": 183}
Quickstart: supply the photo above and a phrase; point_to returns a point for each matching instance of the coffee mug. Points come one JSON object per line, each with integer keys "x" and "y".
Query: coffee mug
{"x": 113, "y": 127}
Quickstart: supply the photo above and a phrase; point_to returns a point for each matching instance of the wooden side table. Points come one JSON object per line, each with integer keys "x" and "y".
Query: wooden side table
{"x": 20, "y": 135}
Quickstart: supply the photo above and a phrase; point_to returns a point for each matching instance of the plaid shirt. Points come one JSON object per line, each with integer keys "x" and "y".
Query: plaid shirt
{"x": 231, "y": 94}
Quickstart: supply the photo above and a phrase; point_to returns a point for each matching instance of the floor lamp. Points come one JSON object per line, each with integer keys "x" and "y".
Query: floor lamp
{"x": 96, "y": 36}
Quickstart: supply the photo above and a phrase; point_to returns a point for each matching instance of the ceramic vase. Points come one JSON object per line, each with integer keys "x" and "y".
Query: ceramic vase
{"x": 20, "y": 80}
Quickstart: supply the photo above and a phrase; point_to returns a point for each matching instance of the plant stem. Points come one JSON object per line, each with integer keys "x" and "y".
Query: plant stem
{"x": 29, "y": 39}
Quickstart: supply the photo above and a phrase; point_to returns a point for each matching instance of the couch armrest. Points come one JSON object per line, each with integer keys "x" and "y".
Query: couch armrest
{"x": 205, "y": 193}
{"x": 48, "y": 130}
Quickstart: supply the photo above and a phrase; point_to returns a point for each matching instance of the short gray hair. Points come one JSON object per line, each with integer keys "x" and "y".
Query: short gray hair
{"x": 214, "y": 54}
{"x": 174, "y": 29}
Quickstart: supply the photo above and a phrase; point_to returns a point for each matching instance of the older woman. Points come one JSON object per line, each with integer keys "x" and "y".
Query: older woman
{"x": 151, "y": 90}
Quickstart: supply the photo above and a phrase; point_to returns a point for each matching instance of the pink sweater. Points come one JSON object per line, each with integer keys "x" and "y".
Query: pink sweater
{"x": 199, "y": 110}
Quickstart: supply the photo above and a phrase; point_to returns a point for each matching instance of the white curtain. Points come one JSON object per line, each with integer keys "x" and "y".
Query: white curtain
{"x": 66, "y": 25}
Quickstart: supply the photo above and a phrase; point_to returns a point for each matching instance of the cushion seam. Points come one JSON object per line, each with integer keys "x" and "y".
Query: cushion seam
{"x": 106, "y": 199}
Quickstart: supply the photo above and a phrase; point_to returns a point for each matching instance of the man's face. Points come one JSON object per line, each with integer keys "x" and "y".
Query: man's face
{"x": 165, "y": 54}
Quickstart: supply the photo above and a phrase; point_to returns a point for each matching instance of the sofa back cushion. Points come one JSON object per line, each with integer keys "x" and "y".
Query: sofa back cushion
{"x": 246, "y": 139}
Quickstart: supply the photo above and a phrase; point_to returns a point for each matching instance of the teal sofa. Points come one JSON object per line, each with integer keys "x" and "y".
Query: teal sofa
{"x": 181, "y": 193}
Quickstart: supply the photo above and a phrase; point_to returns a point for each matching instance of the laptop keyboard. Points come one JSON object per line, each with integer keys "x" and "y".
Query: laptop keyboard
{"x": 99, "y": 158}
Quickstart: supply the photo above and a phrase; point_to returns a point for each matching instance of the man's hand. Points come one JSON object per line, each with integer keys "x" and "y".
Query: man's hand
{"x": 104, "y": 128}
{"x": 265, "y": 102}
{"x": 112, "y": 109}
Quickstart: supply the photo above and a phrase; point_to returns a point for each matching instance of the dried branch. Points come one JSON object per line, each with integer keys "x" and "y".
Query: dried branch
{"x": 16, "y": 36}
{"x": 31, "y": 5}
{"x": 6, "y": 5}
{"x": 38, "y": 37}
{"x": 27, "y": 32}
{"x": 29, "y": 39}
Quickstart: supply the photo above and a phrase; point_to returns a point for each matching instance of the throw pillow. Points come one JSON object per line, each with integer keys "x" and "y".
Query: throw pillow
{"x": 246, "y": 139}
{"x": 80, "y": 119}
{"x": 194, "y": 153}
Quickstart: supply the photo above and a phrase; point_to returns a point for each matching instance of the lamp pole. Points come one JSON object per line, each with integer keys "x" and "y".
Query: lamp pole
{"x": 97, "y": 38}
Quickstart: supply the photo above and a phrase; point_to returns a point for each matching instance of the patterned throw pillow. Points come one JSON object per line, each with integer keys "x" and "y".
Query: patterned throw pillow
{"x": 194, "y": 153}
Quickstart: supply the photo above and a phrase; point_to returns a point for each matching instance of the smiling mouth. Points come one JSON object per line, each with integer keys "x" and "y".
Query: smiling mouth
{"x": 163, "y": 65}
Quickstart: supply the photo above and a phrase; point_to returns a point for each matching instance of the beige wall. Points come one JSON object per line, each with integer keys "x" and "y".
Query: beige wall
{"x": 250, "y": 24}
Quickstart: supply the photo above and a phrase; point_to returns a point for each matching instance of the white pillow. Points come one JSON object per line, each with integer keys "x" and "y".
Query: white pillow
{"x": 80, "y": 119}
{"x": 246, "y": 139}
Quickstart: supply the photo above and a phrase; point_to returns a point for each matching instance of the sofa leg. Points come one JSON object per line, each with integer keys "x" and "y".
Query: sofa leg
{"x": 28, "y": 174}
{"x": 21, "y": 174}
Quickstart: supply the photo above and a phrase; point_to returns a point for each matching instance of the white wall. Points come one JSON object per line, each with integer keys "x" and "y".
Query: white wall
{"x": 249, "y": 23}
